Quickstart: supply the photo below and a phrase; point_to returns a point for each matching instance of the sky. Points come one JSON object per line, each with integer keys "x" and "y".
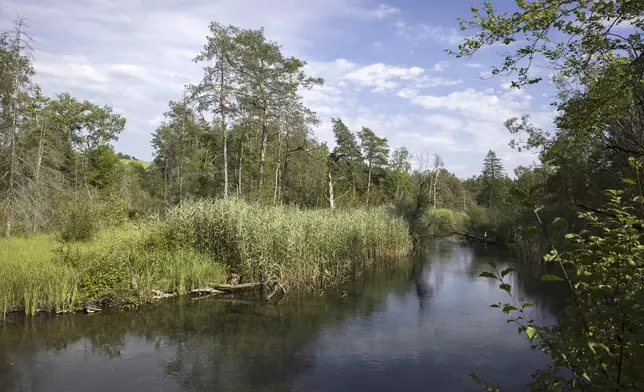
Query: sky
{"x": 383, "y": 64}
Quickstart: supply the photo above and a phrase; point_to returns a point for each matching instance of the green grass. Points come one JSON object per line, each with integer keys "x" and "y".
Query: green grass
{"x": 133, "y": 162}
{"x": 198, "y": 244}
{"x": 297, "y": 248}
{"x": 39, "y": 273}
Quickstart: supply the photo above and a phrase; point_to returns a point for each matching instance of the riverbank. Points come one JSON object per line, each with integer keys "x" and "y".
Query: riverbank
{"x": 198, "y": 245}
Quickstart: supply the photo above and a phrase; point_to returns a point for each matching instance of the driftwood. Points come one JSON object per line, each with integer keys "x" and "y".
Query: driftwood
{"x": 206, "y": 290}
{"x": 91, "y": 309}
{"x": 235, "y": 288}
{"x": 160, "y": 295}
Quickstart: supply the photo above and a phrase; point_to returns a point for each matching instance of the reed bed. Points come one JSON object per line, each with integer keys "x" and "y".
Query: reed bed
{"x": 297, "y": 248}
{"x": 198, "y": 244}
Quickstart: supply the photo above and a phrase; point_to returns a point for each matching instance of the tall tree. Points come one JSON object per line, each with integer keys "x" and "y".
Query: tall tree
{"x": 217, "y": 90}
{"x": 401, "y": 165}
{"x": 16, "y": 92}
{"x": 268, "y": 75}
{"x": 492, "y": 178}
{"x": 375, "y": 150}
{"x": 346, "y": 156}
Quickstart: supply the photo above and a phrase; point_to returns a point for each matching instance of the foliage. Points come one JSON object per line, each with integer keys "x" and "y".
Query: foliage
{"x": 597, "y": 343}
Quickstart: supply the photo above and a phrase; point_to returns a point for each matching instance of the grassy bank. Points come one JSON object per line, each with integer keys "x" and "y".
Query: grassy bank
{"x": 119, "y": 267}
{"x": 199, "y": 243}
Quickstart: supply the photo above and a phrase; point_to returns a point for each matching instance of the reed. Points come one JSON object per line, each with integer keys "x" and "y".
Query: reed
{"x": 298, "y": 248}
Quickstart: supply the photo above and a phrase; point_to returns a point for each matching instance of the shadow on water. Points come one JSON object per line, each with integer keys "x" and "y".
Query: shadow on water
{"x": 420, "y": 326}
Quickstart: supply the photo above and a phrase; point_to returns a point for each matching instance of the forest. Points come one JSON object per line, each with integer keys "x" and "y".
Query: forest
{"x": 240, "y": 184}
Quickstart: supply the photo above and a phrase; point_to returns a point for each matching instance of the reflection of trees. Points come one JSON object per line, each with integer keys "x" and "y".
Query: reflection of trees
{"x": 213, "y": 344}
{"x": 217, "y": 344}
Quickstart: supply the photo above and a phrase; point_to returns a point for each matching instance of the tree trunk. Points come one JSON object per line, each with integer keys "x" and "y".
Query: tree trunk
{"x": 264, "y": 142}
{"x": 369, "y": 184}
{"x": 331, "y": 200}
{"x": 12, "y": 168}
{"x": 276, "y": 195}
{"x": 434, "y": 190}
{"x": 222, "y": 108}
{"x": 34, "y": 223}
{"x": 240, "y": 162}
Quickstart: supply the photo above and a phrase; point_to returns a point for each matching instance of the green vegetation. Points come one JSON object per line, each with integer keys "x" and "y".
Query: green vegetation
{"x": 121, "y": 267}
{"x": 596, "y": 145}
{"x": 297, "y": 248}
{"x": 198, "y": 244}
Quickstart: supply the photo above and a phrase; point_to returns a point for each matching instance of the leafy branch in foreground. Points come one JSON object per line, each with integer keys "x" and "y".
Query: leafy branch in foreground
{"x": 598, "y": 344}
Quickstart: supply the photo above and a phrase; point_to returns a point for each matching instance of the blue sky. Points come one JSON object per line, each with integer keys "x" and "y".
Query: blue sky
{"x": 383, "y": 64}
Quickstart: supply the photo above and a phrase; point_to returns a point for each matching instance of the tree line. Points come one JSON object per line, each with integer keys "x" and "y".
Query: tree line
{"x": 242, "y": 130}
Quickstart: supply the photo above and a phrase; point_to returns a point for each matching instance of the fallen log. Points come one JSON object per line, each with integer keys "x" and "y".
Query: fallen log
{"x": 206, "y": 290}
{"x": 235, "y": 288}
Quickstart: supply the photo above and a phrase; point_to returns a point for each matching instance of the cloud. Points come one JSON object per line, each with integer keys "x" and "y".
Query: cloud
{"x": 384, "y": 11}
{"x": 424, "y": 32}
{"x": 473, "y": 65}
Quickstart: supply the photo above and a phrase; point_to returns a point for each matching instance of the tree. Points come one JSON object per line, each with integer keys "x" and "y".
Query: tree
{"x": 492, "y": 180}
{"x": 437, "y": 167}
{"x": 17, "y": 89}
{"x": 376, "y": 151}
{"x": 217, "y": 90}
{"x": 573, "y": 37}
{"x": 268, "y": 76}
{"x": 346, "y": 156}
{"x": 401, "y": 166}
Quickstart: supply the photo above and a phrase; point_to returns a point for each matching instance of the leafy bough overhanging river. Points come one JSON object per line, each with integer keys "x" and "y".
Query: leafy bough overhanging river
{"x": 420, "y": 327}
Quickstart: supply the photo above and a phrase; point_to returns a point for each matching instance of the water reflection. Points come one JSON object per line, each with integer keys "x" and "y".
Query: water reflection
{"x": 420, "y": 326}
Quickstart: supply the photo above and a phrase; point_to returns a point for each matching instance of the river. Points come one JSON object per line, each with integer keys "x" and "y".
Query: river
{"x": 419, "y": 327}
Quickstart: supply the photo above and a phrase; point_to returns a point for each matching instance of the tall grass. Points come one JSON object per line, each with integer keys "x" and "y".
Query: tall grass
{"x": 298, "y": 248}
{"x": 30, "y": 278}
{"x": 200, "y": 243}
{"x": 119, "y": 267}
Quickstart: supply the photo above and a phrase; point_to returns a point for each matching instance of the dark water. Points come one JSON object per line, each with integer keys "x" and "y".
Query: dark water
{"x": 421, "y": 327}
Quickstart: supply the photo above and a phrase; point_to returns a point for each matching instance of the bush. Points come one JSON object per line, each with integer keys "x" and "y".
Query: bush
{"x": 82, "y": 218}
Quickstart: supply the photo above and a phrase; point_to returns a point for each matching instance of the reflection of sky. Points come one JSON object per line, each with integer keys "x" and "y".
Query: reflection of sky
{"x": 455, "y": 332}
{"x": 427, "y": 337}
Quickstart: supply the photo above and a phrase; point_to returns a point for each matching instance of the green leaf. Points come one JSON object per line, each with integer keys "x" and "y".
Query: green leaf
{"x": 506, "y": 287}
{"x": 628, "y": 181}
{"x": 557, "y": 222}
{"x": 531, "y": 332}
{"x": 527, "y": 305}
{"x": 486, "y": 274}
{"x": 508, "y": 308}
{"x": 585, "y": 375}
{"x": 495, "y": 306}
{"x": 506, "y": 271}
{"x": 551, "y": 278}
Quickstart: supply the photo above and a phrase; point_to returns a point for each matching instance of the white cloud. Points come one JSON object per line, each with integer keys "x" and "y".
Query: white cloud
{"x": 385, "y": 11}
{"x": 440, "y": 66}
{"x": 473, "y": 65}
{"x": 424, "y": 32}
{"x": 407, "y": 93}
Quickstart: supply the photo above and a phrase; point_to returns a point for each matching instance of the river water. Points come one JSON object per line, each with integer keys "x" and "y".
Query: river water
{"x": 420, "y": 327}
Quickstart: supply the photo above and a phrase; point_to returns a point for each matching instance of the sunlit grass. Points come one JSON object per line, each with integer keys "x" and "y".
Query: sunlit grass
{"x": 298, "y": 248}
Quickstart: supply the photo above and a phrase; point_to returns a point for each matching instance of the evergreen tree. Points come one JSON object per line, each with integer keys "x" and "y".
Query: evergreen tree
{"x": 493, "y": 184}
{"x": 376, "y": 151}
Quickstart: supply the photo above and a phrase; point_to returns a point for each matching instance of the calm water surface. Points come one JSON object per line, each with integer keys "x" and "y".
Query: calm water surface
{"x": 421, "y": 327}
